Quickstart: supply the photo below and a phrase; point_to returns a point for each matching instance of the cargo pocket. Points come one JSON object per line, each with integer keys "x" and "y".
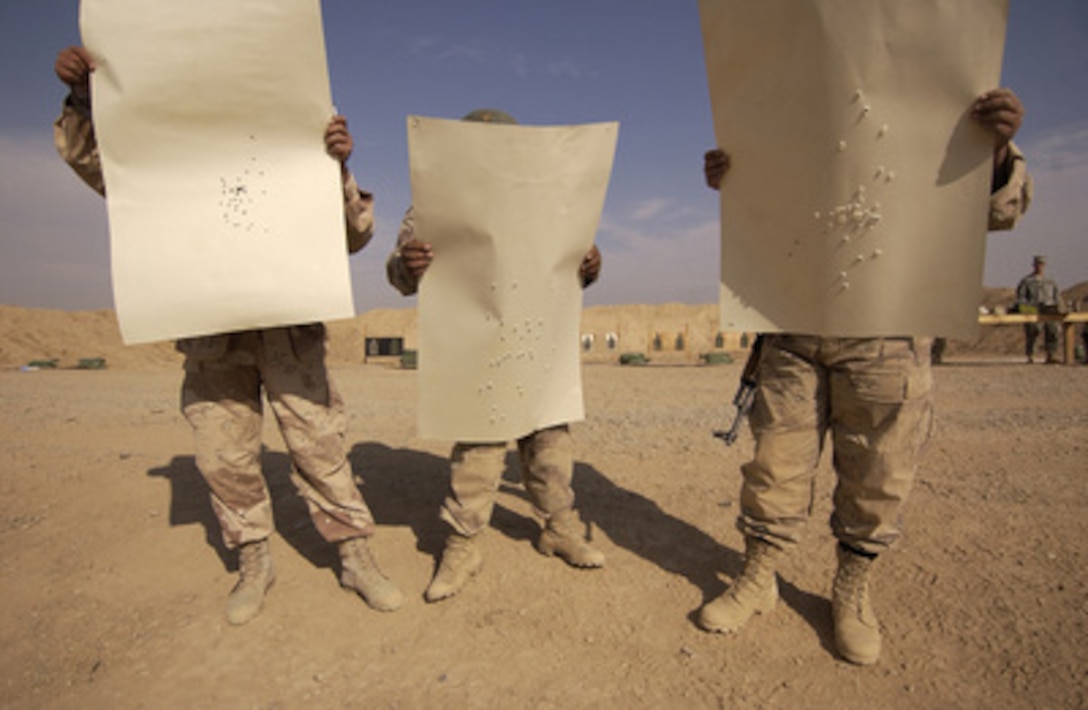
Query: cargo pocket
{"x": 899, "y": 373}
{"x": 890, "y": 386}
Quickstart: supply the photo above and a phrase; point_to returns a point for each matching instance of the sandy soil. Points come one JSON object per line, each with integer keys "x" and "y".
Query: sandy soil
{"x": 113, "y": 576}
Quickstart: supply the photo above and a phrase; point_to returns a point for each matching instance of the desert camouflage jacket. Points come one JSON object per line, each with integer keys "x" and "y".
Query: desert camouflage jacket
{"x": 1038, "y": 291}
{"x": 395, "y": 270}
{"x": 1009, "y": 202}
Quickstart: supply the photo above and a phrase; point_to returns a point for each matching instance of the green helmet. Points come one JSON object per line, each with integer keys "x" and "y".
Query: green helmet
{"x": 489, "y": 115}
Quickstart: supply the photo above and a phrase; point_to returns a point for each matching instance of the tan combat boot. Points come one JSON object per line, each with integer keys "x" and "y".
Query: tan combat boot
{"x": 460, "y": 561}
{"x": 755, "y": 591}
{"x": 857, "y": 632}
{"x": 564, "y": 535}
{"x": 359, "y": 572}
{"x": 255, "y": 576}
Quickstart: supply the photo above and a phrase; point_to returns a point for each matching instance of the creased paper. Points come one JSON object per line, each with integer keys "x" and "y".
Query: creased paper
{"x": 856, "y": 204}
{"x": 225, "y": 211}
{"x": 510, "y": 212}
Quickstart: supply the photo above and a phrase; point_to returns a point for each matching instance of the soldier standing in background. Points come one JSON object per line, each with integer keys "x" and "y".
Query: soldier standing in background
{"x": 221, "y": 397}
{"x": 873, "y": 395}
{"x": 1038, "y": 293}
{"x": 1084, "y": 331}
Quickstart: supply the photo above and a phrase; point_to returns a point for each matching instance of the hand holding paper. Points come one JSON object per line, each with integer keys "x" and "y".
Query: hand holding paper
{"x": 716, "y": 164}
{"x": 417, "y": 257}
{"x": 590, "y": 269}
{"x": 338, "y": 141}
{"x": 999, "y": 110}
{"x": 74, "y": 66}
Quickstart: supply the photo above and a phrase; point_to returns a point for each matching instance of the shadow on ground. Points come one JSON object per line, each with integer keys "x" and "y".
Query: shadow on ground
{"x": 406, "y": 487}
{"x": 190, "y": 504}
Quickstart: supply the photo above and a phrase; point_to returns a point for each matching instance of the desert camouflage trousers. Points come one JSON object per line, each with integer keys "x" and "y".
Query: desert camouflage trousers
{"x": 874, "y": 396}
{"x": 221, "y": 398}
{"x": 547, "y": 467}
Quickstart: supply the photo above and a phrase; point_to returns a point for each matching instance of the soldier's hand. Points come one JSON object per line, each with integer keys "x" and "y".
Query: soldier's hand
{"x": 73, "y": 67}
{"x": 1001, "y": 112}
{"x": 590, "y": 268}
{"x": 716, "y": 164}
{"x": 338, "y": 141}
{"x": 416, "y": 257}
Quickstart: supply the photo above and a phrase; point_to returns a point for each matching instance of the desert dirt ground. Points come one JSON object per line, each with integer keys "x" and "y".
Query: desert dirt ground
{"x": 113, "y": 575}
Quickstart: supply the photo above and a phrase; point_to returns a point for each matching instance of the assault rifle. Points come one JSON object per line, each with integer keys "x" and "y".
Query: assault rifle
{"x": 746, "y": 393}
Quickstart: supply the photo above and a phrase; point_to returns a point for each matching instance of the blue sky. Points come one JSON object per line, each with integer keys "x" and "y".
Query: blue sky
{"x": 638, "y": 62}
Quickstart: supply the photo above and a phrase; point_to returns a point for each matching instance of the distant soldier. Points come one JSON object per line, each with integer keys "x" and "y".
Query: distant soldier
{"x": 1082, "y": 307}
{"x": 1084, "y": 340}
{"x": 547, "y": 463}
{"x": 1038, "y": 293}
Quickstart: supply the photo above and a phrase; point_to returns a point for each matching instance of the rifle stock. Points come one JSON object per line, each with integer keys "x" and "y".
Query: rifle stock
{"x": 746, "y": 392}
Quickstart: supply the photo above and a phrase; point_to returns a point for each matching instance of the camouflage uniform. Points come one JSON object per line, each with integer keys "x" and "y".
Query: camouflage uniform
{"x": 1040, "y": 292}
{"x": 872, "y": 394}
{"x": 547, "y": 460}
{"x": 547, "y": 463}
{"x": 221, "y": 393}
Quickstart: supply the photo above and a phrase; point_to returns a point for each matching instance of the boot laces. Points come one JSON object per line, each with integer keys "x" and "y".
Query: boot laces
{"x": 457, "y": 550}
{"x": 567, "y": 525}
{"x": 852, "y": 586}
{"x": 249, "y": 560}
{"x": 758, "y": 570}
{"x": 359, "y": 555}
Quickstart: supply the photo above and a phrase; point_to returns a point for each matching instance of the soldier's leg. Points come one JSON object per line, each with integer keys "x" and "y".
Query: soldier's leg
{"x": 788, "y": 420}
{"x": 311, "y": 418}
{"x": 937, "y": 350}
{"x": 547, "y": 467}
{"x": 1051, "y": 340}
{"x": 882, "y": 416}
{"x": 221, "y": 400}
{"x": 475, "y": 473}
{"x": 1031, "y": 332}
{"x": 310, "y": 414}
{"x": 223, "y": 406}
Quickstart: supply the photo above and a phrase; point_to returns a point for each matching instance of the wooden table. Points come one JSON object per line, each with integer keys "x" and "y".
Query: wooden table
{"x": 1068, "y": 320}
